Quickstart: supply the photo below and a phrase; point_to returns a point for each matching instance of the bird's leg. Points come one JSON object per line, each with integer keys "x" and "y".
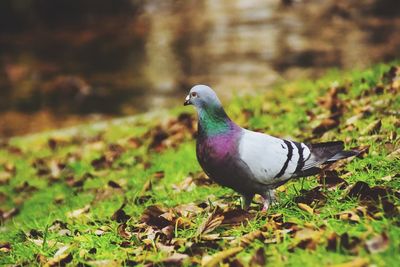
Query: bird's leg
{"x": 269, "y": 198}
{"x": 272, "y": 197}
{"x": 246, "y": 201}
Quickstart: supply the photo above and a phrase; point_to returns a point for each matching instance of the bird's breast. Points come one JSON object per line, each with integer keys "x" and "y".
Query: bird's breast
{"x": 216, "y": 148}
{"x": 215, "y": 155}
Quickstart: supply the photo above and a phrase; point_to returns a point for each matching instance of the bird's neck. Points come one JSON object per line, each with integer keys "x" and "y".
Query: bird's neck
{"x": 214, "y": 121}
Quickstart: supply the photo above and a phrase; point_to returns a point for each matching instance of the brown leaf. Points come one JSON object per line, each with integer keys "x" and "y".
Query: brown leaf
{"x": 100, "y": 163}
{"x": 219, "y": 257}
{"x": 74, "y": 181}
{"x": 350, "y": 243}
{"x": 390, "y": 177}
{"x": 312, "y": 197}
{"x": 175, "y": 259}
{"x": 247, "y": 239}
{"x": 373, "y": 128}
{"x": 122, "y": 231}
{"x": 134, "y": 143}
{"x": 333, "y": 242}
{"x": 104, "y": 263}
{"x": 59, "y": 227}
{"x": 57, "y": 141}
{"x": 357, "y": 262}
{"x": 395, "y": 154}
{"x": 378, "y": 243}
{"x": 41, "y": 167}
{"x": 9, "y": 214}
{"x": 141, "y": 198}
{"x": 114, "y": 184}
{"x": 152, "y": 216}
{"x": 24, "y": 187}
{"x": 331, "y": 179}
{"x": 120, "y": 216}
{"x": 364, "y": 192}
{"x": 307, "y": 238}
{"x": 186, "y": 185}
{"x": 258, "y": 258}
{"x": 61, "y": 257}
{"x": 188, "y": 210}
{"x": 78, "y": 212}
{"x": 325, "y": 125}
{"x": 158, "y": 175}
{"x": 202, "y": 179}
{"x": 359, "y": 190}
{"x": 210, "y": 223}
{"x": 236, "y": 217}
{"x": 41, "y": 259}
{"x": 158, "y": 136}
{"x": 350, "y": 216}
{"x": 306, "y": 208}
{"x": 113, "y": 152}
{"x": 169, "y": 215}
{"x": 5, "y": 247}
{"x": 5, "y": 178}
{"x": 236, "y": 263}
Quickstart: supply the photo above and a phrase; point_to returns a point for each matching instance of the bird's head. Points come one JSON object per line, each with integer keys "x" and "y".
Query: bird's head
{"x": 202, "y": 96}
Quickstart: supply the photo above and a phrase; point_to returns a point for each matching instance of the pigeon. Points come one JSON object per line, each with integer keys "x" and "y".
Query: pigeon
{"x": 251, "y": 162}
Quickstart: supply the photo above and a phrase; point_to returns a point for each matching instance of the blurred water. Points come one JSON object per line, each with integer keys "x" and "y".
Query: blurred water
{"x": 116, "y": 58}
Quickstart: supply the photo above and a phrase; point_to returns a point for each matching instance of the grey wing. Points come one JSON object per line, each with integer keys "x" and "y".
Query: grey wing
{"x": 270, "y": 159}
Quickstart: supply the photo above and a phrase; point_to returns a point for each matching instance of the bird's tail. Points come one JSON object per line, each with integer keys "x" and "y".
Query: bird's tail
{"x": 326, "y": 153}
{"x": 331, "y": 151}
{"x": 342, "y": 155}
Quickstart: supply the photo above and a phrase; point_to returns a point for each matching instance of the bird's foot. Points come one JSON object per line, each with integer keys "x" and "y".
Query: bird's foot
{"x": 265, "y": 206}
{"x": 268, "y": 200}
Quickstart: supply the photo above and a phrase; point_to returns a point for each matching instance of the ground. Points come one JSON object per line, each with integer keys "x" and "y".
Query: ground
{"x": 130, "y": 191}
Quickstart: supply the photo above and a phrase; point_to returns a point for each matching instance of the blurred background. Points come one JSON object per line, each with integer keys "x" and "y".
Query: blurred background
{"x": 64, "y": 62}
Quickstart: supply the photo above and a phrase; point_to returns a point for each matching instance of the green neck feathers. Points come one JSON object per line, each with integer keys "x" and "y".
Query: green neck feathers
{"x": 213, "y": 121}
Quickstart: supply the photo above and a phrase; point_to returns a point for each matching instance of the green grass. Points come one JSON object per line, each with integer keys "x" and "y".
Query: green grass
{"x": 47, "y": 197}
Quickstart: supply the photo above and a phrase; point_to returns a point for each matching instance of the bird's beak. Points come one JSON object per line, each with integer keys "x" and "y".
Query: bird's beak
{"x": 187, "y": 101}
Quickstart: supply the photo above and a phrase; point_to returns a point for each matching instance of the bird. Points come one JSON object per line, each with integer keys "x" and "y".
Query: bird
{"x": 251, "y": 162}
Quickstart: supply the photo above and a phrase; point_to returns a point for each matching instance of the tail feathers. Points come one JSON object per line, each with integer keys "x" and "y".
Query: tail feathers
{"x": 326, "y": 150}
{"x": 321, "y": 152}
{"x": 326, "y": 153}
{"x": 343, "y": 155}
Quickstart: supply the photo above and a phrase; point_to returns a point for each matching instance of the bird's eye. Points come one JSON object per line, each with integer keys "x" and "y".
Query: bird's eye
{"x": 194, "y": 94}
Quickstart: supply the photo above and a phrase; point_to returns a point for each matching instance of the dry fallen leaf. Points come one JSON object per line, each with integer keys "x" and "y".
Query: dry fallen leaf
{"x": 78, "y": 212}
{"x": 5, "y": 247}
{"x": 394, "y": 154}
{"x": 306, "y": 208}
{"x": 61, "y": 257}
{"x": 215, "y": 259}
{"x": 120, "y": 216}
{"x": 175, "y": 259}
{"x": 209, "y": 224}
{"x": 378, "y": 243}
{"x": 325, "y": 125}
{"x": 152, "y": 216}
{"x": 186, "y": 185}
{"x": 357, "y": 262}
{"x": 258, "y": 258}
{"x": 104, "y": 263}
{"x": 373, "y": 128}
{"x": 306, "y": 238}
{"x": 247, "y": 239}
{"x": 236, "y": 217}
{"x": 188, "y": 210}
{"x": 350, "y": 216}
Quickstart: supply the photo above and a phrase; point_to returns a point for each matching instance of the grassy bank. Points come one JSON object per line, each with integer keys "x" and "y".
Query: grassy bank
{"x": 131, "y": 191}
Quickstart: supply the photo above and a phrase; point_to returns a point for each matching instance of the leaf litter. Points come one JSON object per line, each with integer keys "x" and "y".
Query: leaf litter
{"x": 198, "y": 233}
